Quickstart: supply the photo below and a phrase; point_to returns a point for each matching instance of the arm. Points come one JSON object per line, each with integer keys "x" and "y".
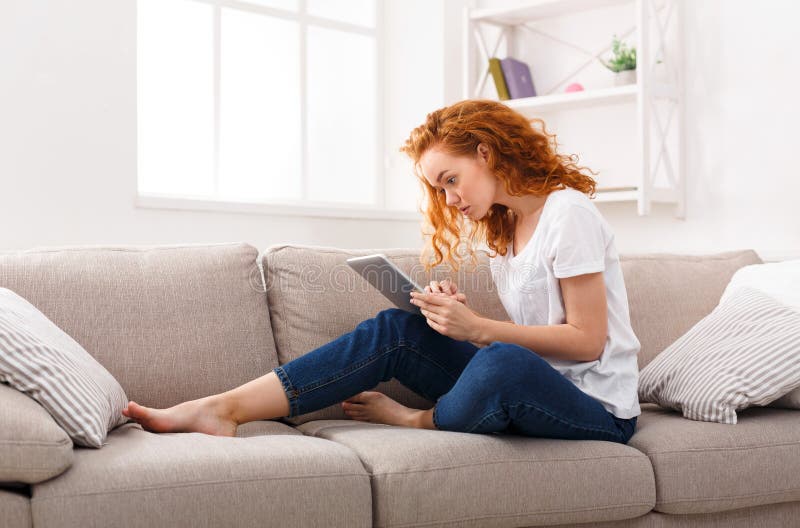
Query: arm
{"x": 581, "y": 338}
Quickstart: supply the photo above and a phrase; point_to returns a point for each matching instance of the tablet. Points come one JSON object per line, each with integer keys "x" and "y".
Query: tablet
{"x": 388, "y": 279}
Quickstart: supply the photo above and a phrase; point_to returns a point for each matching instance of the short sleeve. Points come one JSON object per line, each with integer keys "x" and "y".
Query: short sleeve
{"x": 578, "y": 243}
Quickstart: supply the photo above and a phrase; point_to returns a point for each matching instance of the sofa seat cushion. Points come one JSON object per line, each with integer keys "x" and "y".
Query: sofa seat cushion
{"x": 425, "y": 478}
{"x": 33, "y": 447}
{"x": 15, "y": 509}
{"x": 143, "y": 479}
{"x": 703, "y": 467}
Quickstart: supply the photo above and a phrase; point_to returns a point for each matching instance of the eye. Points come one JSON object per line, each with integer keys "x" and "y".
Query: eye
{"x": 448, "y": 181}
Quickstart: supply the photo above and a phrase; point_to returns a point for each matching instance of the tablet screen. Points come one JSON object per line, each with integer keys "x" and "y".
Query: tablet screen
{"x": 387, "y": 278}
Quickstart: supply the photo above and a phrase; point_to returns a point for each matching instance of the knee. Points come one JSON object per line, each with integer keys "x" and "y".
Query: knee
{"x": 391, "y": 313}
{"x": 508, "y": 351}
{"x": 505, "y": 363}
{"x": 391, "y": 317}
{"x": 398, "y": 318}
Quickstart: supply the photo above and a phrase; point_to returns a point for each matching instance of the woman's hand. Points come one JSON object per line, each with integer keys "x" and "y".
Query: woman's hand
{"x": 446, "y": 287}
{"x": 448, "y": 316}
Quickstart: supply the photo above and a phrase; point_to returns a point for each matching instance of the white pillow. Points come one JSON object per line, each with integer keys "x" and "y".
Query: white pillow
{"x": 744, "y": 353}
{"x": 42, "y": 361}
{"x": 781, "y": 281}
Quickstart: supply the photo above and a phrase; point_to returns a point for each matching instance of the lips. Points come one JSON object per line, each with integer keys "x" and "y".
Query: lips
{"x": 465, "y": 209}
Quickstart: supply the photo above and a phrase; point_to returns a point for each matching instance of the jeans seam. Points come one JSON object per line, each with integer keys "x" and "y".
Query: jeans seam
{"x": 419, "y": 351}
{"x": 567, "y": 422}
{"x": 350, "y": 369}
{"x": 483, "y": 419}
{"x": 400, "y": 343}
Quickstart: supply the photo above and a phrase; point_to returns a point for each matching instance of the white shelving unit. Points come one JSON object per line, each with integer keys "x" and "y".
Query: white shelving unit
{"x": 651, "y": 49}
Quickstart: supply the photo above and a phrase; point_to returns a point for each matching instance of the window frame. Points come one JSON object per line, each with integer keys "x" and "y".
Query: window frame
{"x": 304, "y": 206}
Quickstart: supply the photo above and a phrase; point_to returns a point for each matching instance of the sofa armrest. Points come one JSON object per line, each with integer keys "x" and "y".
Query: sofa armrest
{"x": 33, "y": 448}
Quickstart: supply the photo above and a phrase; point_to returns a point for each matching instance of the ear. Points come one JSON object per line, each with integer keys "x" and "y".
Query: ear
{"x": 483, "y": 152}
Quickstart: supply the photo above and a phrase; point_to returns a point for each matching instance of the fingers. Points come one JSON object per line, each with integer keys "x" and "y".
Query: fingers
{"x": 437, "y": 287}
{"x": 432, "y": 316}
{"x": 426, "y": 300}
{"x": 430, "y": 310}
{"x": 436, "y": 326}
{"x": 445, "y": 286}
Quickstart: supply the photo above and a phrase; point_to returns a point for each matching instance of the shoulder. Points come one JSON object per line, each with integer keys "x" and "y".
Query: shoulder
{"x": 572, "y": 203}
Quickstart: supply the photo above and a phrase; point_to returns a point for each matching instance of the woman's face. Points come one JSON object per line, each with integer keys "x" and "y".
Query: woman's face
{"x": 466, "y": 183}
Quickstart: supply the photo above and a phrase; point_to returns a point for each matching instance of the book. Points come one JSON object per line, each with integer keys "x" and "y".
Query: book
{"x": 499, "y": 81}
{"x": 518, "y": 78}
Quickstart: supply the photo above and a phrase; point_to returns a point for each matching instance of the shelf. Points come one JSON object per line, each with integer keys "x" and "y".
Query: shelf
{"x": 539, "y": 10}
{"x": 584, "y": 99}
{"x": 616, "y": 194}
{"x": 658, "y": 151}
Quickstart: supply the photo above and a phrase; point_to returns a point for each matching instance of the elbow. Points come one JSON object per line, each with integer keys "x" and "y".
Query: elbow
{"x": 591, "y": 342}
{"x": 595, "y": 351}
{"x": 594, "y": 355}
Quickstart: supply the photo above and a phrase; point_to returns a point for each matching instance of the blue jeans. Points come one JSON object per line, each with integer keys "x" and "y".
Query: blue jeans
{"x": 500, "y": 388}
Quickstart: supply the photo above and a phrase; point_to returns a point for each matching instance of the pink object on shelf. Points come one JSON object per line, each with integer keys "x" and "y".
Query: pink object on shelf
{"x": 574, "y": 87}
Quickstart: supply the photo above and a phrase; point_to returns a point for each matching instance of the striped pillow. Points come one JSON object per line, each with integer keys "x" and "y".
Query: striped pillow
{"x": 744, "y": 353}
{"x": 781, "y": 281}
{"x": 42, "y": 361}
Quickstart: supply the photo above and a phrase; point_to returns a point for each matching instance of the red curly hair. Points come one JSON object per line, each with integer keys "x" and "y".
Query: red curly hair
{"x": 520, "y": 155}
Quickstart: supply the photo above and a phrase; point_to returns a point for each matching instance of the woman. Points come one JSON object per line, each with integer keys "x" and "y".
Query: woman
{"x": 563, "y": 367}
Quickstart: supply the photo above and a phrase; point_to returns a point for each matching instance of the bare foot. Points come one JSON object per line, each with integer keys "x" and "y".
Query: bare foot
{"x": 206, "y": 415}
{"x": 376, "y": 407}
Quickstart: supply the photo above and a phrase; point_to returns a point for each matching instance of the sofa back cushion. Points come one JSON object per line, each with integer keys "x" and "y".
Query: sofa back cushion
{"x": 669, "y": 293}
{"x": 314, "y": 297}
{"x": 170, "y": 323}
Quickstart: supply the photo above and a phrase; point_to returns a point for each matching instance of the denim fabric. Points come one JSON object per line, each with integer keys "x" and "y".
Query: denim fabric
{"x": 501, "y": 388}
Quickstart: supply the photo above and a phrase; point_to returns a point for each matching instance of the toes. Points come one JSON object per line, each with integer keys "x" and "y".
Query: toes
{"x": 136, "y": 411}
{"x": 364, "y": 397}
{"x": 353, "y": 414}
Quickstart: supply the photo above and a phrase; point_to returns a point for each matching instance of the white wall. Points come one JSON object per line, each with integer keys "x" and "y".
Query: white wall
{"x": 741, "y": 68}
{"x": 68, "y": 131}
{"x": 68, "y": 134}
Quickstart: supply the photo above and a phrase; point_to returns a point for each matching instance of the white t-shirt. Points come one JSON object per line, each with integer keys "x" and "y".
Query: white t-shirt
{"x": 572, "y": 238}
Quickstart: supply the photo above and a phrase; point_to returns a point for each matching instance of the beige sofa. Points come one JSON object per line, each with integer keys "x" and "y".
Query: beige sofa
{"x": 182, "y": 322}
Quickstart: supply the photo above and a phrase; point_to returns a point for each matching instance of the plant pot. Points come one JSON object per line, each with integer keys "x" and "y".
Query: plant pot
{"x": 625, "y": 77}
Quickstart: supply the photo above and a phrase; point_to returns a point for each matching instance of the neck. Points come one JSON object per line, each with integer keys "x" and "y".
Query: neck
{"x": 524, "y": 207}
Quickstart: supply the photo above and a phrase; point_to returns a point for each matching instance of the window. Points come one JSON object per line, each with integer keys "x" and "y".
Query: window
{"x": 260, "y": 101}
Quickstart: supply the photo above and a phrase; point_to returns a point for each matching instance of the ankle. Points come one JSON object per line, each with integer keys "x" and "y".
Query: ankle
{"x": 423, "y": 419}
{"x": 224, "y": 407}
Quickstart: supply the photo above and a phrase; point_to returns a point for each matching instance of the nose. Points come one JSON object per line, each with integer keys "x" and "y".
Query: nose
{"x": 451, "y": 198}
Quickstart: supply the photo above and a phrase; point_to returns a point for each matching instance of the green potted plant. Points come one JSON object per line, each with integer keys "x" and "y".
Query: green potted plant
{"x": 623, "y": 62}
